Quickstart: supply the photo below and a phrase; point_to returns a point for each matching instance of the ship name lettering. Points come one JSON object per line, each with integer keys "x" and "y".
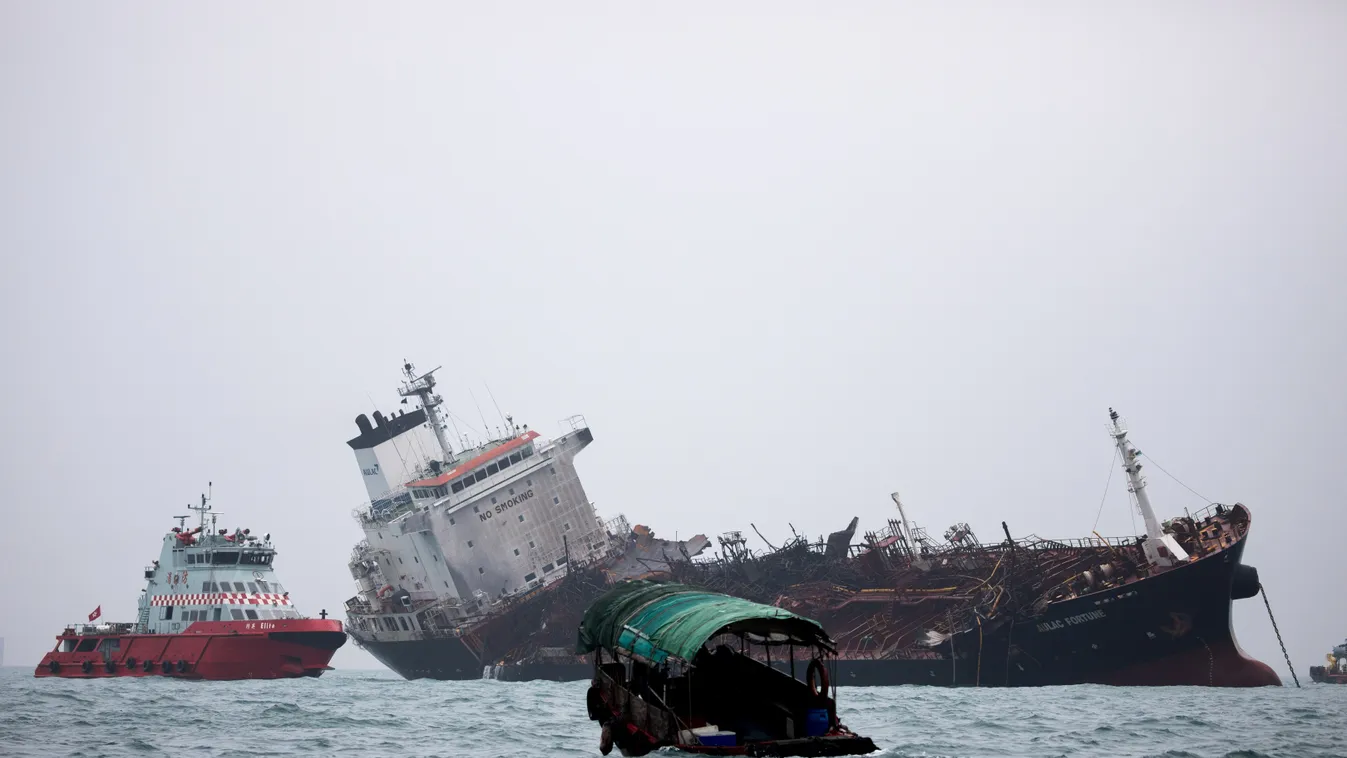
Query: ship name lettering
{"x": 507, "y": 505}
{"x": 1079, "y": 618}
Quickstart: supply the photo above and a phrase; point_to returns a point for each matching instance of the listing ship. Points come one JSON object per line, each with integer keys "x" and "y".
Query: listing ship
{"x": 468, "y": 547}
{"x": 1336, "y": 670}
{"x": 906, "y": 609}
{"x": 212, "y": 609}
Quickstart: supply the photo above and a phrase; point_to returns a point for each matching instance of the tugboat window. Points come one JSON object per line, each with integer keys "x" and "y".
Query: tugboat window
{"x": 263, "y": 584}
{"x": 402, "y": 620}
{"x": 252, "y": 588}
{"x": 86, "y": 646}
{"x": 215, "y": 614}
{"x": 252, "y": 614}
{"x": 168, "y": 613}
{"x": 238, "y": 587}
{"x": 206, "y": 587}
{"x": 493, "y": 468}
{"x": 236, "y": 614}
{"x": 514, "y": 458}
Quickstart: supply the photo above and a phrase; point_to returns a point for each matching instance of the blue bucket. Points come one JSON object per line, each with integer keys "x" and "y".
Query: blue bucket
{"x": 816, "y": 722}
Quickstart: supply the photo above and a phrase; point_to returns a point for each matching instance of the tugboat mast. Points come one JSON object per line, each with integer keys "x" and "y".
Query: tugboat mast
{"x": 1161, "y": 549}
{"x": 423, "y": 387}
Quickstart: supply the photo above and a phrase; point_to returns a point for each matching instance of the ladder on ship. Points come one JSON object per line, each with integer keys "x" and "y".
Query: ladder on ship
{"x": 143, "y": 618}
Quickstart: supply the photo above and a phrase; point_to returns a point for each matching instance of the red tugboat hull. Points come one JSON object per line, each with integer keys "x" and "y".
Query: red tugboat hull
{"x": 213, "y": 650}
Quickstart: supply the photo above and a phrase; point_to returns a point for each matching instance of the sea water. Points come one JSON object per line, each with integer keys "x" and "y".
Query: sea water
{"x": 377, "y": 713}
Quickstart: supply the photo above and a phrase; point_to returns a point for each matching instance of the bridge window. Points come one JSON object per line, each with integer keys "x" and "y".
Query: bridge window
{"x": 481, "y": 474}
{"x": 548, "y": 568}
{"x": 458, "y": 486}
{"x": 236, "y": 614}
{"x": 252, "y": 588}
{"x": 206, "y": 587}
{"x": 504, "y": 463}
{"x": 530, "y": 577}
{"x": 87, "y": 646}
{"x": 491, "y": 469}
{"x": 514, "y": 458}
{"x": 561, "y": 561}
{"x": 168, "y": 613}
{"x": 227, "y": 558}
{"x": 238, "y": 587}
{"x": 403, "y": 621}
{"x": 526, "y": 452}
{"x": 191, "y": 558}
{"x": 252, "y": 614}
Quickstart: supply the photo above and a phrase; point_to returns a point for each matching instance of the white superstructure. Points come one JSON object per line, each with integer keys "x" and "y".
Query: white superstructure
{"x": 448, "y": 534}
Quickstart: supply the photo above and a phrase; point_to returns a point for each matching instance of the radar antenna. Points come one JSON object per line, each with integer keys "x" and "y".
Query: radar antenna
{"x": 423, "y": 387}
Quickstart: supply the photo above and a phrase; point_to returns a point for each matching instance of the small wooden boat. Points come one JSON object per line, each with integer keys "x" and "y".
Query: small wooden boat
{"x": 676, "y": 666}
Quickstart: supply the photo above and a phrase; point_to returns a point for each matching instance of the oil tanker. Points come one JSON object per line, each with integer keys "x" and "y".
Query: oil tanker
{"x": 480, "y": 562}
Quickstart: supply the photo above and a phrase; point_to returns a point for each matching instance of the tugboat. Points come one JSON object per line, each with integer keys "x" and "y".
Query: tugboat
{"x": 1336, "y": 670}
{"x": 212, "y": 609}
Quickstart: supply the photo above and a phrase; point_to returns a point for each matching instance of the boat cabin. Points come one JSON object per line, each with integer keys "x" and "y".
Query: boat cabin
{"x": 676, "y": 666}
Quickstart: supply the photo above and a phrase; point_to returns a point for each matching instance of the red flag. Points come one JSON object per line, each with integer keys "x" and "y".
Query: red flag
{"x": 97, "y": 612}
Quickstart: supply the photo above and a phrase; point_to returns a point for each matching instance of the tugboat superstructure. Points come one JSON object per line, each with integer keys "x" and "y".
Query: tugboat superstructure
{"x": 212, "y": 608}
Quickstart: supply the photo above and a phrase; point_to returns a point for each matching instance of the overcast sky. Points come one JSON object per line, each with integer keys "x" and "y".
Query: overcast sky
{"x": 785, "y": 257}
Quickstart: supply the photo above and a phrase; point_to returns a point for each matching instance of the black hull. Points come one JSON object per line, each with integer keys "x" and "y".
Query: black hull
{"x": 440, "y": 658}
{"x": 1170, "y": 629}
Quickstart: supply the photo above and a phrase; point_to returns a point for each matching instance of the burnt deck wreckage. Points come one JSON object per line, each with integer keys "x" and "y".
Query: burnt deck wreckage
{"x": 1151, "y": 610}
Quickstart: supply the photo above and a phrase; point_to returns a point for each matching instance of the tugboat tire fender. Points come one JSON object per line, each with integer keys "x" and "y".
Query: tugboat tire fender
{"x": 131, "y": 663}
{"x": 54, "y": 666}
{"x": 168, "y": 667}
{"x": 110, "y": 667}
{"x": 87, "y": 666}
{"x": 149, "y": 666}
{"x": 182, "y": 666}
{"x": 816, "y": 675}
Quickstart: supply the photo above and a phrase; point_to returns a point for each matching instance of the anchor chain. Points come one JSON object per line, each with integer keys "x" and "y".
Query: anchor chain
{"x": 1273, "y": 619}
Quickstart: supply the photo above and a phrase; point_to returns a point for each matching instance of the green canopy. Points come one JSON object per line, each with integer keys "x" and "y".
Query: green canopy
{"x": 655, "y": 621}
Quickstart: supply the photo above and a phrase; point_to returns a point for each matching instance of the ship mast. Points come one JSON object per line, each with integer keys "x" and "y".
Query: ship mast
{"x": 1161, "y": 549}
{"x": 423, "y": 387}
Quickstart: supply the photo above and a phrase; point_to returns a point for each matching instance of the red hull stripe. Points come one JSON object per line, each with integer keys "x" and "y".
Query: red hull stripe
{"x": 223, "y": 598}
